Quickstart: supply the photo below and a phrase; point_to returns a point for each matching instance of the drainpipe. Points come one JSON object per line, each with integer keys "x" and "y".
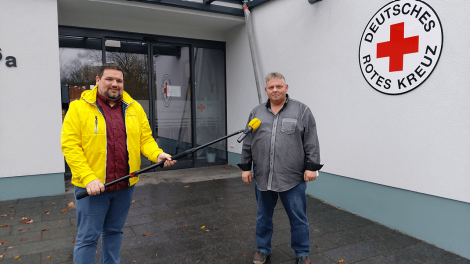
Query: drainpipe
{"x": 252, "y": 48}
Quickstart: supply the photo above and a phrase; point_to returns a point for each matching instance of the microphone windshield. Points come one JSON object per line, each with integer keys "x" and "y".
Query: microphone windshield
{"x": 254, "y": 123}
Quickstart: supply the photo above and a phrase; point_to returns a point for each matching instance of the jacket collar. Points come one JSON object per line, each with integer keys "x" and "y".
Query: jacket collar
{"x": 268, "y": 103}
{"x": 90, "y": 96}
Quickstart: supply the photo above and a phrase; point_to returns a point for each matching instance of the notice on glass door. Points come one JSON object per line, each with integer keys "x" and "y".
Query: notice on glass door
{"x": 174, "y": 91}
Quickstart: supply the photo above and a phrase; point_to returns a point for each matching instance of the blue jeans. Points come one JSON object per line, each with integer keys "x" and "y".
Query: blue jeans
{"x": 103, "y": 214}
{"x": 295, "y": 204}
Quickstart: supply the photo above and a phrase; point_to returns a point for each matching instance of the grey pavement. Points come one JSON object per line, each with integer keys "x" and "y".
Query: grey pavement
{"x": 204, "y": 215}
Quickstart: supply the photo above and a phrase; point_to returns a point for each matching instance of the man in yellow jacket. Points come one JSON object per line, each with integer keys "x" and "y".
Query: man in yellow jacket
{"x": 102, "y": 137}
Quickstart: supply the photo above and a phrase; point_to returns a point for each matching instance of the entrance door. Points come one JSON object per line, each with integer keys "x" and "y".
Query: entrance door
{"x": 172, "y": 86}
{"x": 180, "y": 84}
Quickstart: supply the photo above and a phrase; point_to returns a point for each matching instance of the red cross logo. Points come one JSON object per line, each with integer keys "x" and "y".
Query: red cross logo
{"x": 165, "y": 90}
{"x": 201, "y": 107}
{"x": 397, "y": 47}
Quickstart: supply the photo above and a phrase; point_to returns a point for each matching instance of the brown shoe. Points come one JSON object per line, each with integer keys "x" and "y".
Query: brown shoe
{"x": 260, "y": 258}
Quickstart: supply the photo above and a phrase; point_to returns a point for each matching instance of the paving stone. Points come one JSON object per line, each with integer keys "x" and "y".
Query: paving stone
{"x": 242, "y": 233}
{"x": 376, "y": 230}
{"x": 39, "y": 246}
{"x": 448, "y": 258}
{"x": 22, "y": 205}
{"x": 38, "y": 226}
{"x": 356, "y": 252}
{"x": 135, "y": 204}
{"x": 25, "y": 259}
{"x": 397, "y": 241}
{"x": 281, "y": 224}
{"x": 140, "y": 240}
{"x": 149, "y": 202}
{"x": 58, "y": 215}
{"x": 40, "y": 198}
{"x": 238, "y": 189}
{"x": 247, "y": 202}
{"x": 370, "y": 248}
{"x": 324, "y": 244}
{"x": 320, "y": 259}
{"x": 28, "y": 212}
{"x": 36, "y": 217}
{"x": 5, "y": 221}
{"x": 137, "y": 220}
{"x": 428, "y": 250}
{"x": 57, "y": 202}
{"x": 146, "y": 210}
{"x": 227, "y": 208}
{"x": 127, "y": 232}
{"x": 402, "y": 256}
{"x": 5, "y": 231}
{"x": 321, "y": 216}
{"x": 187, "y": 203}
{"x": 346, "y": 237}
{"x": 22, "y": 239}
{"x": 278, "y": 214}
{"x": 280, "y": 237}
{"x": 321, "y": 228}
{"x": 57, "y": 256}
{"x": 69, "y": 231}
{"x": 6, "y": 203}
{"x": 156, "y": 252}
{"x": 176, "y": 213}
{"x": 6, "y": 210}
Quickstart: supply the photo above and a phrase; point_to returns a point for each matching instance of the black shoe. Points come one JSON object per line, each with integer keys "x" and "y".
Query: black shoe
{"x": 260, "y": 258}
{"x": 303, "y": 260}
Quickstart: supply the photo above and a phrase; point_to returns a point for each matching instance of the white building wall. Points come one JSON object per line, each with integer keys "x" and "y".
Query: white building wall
{"x": 30, "y": 93}
{"x": 417, "y": 141}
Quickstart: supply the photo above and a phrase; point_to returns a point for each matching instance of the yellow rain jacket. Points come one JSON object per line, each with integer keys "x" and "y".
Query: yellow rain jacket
{"x": 84, "y": 143}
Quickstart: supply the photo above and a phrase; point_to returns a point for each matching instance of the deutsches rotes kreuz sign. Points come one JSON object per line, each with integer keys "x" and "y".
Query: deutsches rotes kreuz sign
{"x": 400, "y": 46}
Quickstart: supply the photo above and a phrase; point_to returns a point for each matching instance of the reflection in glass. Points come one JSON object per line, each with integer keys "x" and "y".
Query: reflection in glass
{"x": 210, "y": 104}
{"x": 132, "y": 57}
{"x": 80, "y": 59}
{"x": 172, "y": 86}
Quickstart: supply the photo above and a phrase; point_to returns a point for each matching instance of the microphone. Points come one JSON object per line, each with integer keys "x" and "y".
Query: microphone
{"x": 252, "y": 126}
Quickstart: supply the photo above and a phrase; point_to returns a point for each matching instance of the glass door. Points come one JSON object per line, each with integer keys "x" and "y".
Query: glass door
{"x": 172, "y": 86}
{"x": 210, "y": 105}
{"x": 180, "y": 85}
{"x": 132, "y": 57}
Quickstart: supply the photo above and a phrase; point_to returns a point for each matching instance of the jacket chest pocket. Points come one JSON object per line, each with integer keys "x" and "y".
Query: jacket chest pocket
{"x": 288, "y": 125}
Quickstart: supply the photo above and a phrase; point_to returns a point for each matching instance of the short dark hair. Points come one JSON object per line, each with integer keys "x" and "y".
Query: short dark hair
{"x": 108, "y": 66}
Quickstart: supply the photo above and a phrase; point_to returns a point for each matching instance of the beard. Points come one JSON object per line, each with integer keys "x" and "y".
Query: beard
{"x": 112, "y": 96}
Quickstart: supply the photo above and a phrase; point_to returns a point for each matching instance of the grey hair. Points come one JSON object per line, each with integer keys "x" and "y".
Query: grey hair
{"x": 274, "y": 75}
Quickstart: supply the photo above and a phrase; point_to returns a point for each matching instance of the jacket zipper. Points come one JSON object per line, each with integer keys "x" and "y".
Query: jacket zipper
{"x": 127, "y": 146}
{"x": 105, "y": 129}
{"x": 96, "y": 124}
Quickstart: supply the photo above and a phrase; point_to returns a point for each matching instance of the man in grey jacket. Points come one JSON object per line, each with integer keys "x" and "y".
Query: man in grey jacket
{"x": 285, "y": 154}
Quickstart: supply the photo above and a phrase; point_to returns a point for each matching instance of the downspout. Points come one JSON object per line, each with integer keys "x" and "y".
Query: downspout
{"x": 252, "y": 48}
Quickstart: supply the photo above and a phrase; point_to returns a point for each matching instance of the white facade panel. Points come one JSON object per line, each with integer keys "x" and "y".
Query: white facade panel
{"x": 30, "y": 92}
{"x": 417, "y": 141}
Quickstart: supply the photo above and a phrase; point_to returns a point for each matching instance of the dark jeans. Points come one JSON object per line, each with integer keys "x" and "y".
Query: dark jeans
{"x": 295, "y": 204}
{"x": 105, "y": 215}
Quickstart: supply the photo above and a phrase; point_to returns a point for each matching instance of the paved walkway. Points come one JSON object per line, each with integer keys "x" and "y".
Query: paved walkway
{"x": 204, "y": 215}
